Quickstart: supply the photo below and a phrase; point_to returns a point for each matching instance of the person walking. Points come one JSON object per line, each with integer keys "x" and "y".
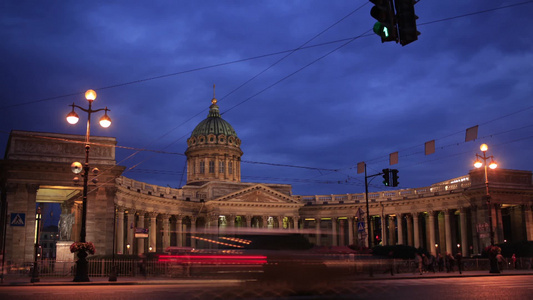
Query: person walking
{"x": 458, "y": 260}
{"x": 419, "y": 262}
{"x": 513, "y": 261}
{"x": 501, "y": 261}
{"x": 431, "y": 263}
{"x": 450, "y": 262}
{"x": 440, "y": 262}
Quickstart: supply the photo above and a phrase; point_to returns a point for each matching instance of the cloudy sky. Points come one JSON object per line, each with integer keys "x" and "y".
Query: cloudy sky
{"x": 309, "y": 89}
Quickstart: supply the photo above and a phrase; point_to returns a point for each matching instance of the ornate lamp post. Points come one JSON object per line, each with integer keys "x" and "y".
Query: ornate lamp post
{"x": 35, "y": 273}
{"x": 105, "y": 121}
{"x": 478, "y": 163}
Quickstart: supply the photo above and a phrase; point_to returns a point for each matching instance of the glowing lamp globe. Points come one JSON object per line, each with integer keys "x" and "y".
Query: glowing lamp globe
{"x": 90, "y": 95}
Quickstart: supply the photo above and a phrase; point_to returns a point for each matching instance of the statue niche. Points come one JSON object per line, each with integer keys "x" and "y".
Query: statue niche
{"x": 65, "y": 226}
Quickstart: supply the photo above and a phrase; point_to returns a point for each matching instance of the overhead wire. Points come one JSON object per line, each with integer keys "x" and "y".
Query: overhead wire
{"x": 349, "y": 40}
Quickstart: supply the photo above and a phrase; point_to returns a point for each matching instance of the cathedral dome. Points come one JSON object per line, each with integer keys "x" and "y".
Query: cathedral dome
{"x": 214, "y": 124}
{"x": 213, "y": 151}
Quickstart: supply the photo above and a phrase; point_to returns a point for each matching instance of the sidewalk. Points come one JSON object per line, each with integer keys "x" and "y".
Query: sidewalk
{"x": 128, "y": 280}
{"x": 388, "y": 276}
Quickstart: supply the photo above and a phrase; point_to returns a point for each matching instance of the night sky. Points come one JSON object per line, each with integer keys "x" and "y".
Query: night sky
{"x": 308, "y": 87}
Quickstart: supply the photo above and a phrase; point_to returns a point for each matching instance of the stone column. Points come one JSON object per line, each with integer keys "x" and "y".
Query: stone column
{"x": 448, "y": 231}
{"x": 432, "y": 249}
{"x": 193, "y": 230}
{"x": 475, "y": 233}
{"x": 384, "y": 230}
{"x": 464, "y": 232}
{"x": 334, "y": 233}
{"x": 498, "y": 226}
{"x": 166, "y": 232}
{"x": 409, "y": 221}
{"x": 248, "y": 221}
{"x": 231, "y": 220}
{"x": 130, "y": 224}
{"x": 528, "y": 216}
{"x": 140, "y": 241}
{"x": 350, "y": 230}
{"x": 152, "y": 233}
{"x": 179, "y": 231}
{"x": 392, "y": 231}
{"x": 120, "y": 230}
{"x": 318, "y": 232}
{"x": 416, "y": 233}
{"x": 399, "y": 221}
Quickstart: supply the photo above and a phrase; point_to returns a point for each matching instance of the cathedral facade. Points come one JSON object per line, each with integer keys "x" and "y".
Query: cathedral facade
{"x": 134, "y": 217}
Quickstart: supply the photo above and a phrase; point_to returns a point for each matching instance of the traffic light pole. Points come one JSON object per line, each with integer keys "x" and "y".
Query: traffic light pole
{"x": 369, "y": 236}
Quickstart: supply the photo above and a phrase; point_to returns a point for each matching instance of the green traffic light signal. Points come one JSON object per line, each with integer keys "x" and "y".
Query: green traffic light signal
{"x": 381, "y": 30}
{"x": 385, "y": 27}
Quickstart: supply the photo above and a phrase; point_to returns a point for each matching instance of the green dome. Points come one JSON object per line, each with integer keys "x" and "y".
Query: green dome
{"x": 214, "y": 124}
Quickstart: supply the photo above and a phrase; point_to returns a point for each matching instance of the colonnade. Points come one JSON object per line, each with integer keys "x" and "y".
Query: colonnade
{"x": 140, "y": 231}
{"x": 443, "y": 231}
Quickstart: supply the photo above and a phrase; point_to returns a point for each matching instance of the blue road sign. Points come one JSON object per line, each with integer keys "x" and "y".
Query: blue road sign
{"x": 18, "y": 219}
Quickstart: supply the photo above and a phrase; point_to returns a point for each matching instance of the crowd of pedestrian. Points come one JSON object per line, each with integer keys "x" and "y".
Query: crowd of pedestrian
{"x": 440, "y": 263}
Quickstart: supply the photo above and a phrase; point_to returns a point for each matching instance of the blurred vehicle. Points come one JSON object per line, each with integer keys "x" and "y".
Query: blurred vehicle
{"x": 264, "y": 255}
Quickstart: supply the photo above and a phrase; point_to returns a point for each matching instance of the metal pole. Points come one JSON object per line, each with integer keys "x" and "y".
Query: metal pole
{"x": 489, "y": 206}
{"x": 113, "y": 274}
{"x": 367, "y": 212}
{"x": 35, "y": 273}
{"x": 83, "y": 232}
{"x": 82, "y": 271}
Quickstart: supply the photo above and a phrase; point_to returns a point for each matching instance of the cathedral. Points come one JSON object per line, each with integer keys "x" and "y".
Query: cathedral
{"x": 133, "y": 217}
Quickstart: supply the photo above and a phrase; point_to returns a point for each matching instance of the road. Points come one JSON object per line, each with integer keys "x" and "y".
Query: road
{"x": 497, "y": 287}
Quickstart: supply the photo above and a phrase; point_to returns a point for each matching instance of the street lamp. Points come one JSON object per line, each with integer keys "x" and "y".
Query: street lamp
{"x": 105, "y": 121}
{"x": 478, "y": 163}
{"x": 35, "y": 273}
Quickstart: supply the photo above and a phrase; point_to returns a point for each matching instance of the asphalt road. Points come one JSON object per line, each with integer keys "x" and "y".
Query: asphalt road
{"x": 500, "y": 287}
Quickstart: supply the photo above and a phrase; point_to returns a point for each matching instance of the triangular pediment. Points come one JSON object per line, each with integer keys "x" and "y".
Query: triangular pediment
{"x": 257, "y": 194}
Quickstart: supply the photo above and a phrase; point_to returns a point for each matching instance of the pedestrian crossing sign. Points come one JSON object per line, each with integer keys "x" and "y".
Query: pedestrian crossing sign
{"x": 18, "y": 219}
{"x": 361, "y": 226}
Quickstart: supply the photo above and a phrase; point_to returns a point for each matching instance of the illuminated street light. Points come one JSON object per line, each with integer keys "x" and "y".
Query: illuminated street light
{"x": 492, "y": 165}
{"x": 73, "y": 118}
{"x": 478, "y": 163}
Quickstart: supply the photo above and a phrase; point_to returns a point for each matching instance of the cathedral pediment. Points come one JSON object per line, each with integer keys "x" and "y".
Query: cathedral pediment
{"x": 257, "y": 194}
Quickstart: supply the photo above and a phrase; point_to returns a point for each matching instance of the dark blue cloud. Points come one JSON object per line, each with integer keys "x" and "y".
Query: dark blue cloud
{"x": 325, "y": 106}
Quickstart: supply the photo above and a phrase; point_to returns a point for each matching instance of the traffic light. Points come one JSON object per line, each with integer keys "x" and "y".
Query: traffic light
{"x": 405, "y": 15}
{"x": 385, "y": 27}
{"x": 394, "y": 177}
{"x": 386, "y": 180}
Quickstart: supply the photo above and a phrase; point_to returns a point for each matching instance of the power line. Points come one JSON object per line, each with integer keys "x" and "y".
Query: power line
{"x": 248, "y": 59}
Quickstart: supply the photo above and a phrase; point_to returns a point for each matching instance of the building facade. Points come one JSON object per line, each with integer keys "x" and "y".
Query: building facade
{"x": 137, "y": 217}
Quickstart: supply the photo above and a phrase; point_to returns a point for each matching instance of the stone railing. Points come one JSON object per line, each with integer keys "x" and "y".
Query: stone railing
{"x": 149, "y": 189}
{"x": 405, "y": 194}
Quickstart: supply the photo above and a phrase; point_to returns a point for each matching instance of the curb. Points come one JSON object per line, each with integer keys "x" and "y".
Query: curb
{"x": 225, "y": 281}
